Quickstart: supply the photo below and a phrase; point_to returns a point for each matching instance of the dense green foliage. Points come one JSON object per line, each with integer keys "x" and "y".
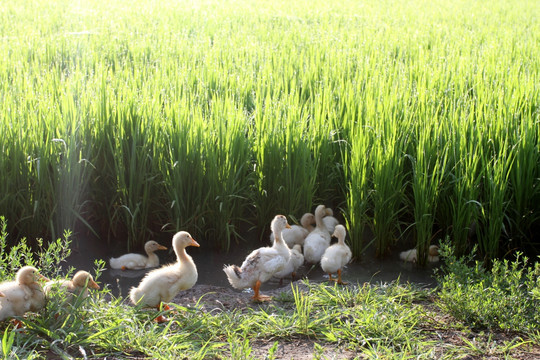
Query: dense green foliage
{"x": 505, "y": 297}
{"x": 409, "y": 117}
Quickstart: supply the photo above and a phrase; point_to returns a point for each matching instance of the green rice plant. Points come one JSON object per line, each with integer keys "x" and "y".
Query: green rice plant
{"x": 228, "y": 176}
{"x": 285, "y": 164}
{"x": 136, "y": 179}
{"x": 524, "y": 181}
{"x": 182, "y": 169}
{"x": 308, "y": 81}
{"x": 14, "y": 198}
{"x": 389, "y": 183}
{"x": 327, "y": 134}
{"x": 356, "y": 168}
{"x": 429, "y": 165}
{"x": 497, "y": 166}
{"x": 465, "y": 180}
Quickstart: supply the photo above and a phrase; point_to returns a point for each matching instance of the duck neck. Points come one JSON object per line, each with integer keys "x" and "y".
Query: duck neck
{"x": 181, "y": 255}
{"x": 320, "y": 223}
{"x": 277, "y": 236}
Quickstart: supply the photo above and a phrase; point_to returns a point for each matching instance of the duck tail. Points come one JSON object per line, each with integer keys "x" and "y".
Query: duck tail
{"x": 312, "y": 254}
{"x": 234, "y": 274}
{"x": 135, "y": 295}
{"x": 114, "y": 263}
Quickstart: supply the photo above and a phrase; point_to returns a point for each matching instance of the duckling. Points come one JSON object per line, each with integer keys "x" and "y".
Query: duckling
{"x": 330, "y": 221}
{"x": 296, "y": 234}
{"x": 161, "y": 285}
{"x": 261, "y": 264}
{"x": 137, "y": 261}
{"x": 412, "y": 254}
{"x": 319, "y": 239}
{"x": 78, "y": 286}
{"x": 336, "y": 256}
{"x": 22, "y": 295}
{"x": 296, "y": 260}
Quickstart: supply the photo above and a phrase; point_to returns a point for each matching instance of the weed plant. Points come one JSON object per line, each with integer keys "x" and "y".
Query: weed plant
{"x": 504, "y": 297}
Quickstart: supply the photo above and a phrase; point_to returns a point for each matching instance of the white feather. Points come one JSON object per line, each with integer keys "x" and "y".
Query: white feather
{"x": 318, "y": 240}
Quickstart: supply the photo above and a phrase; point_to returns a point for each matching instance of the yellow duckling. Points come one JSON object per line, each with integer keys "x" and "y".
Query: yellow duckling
{"x": 336, "y": 256}
{"x": 22, "y": 295}
{"x": 161, "y": 285}
{"x": 78, "y": 286}
{"x": 262, "y": 263}
{"x": 134, "y": 261}
{"x": 319, "y": 239}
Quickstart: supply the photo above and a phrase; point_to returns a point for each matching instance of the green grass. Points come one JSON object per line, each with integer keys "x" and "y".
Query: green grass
{"x": 179, "y": 115}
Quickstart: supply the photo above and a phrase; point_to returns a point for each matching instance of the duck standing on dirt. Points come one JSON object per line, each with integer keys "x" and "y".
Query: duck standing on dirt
{"x": 262, "y": 263}
{"x": 161, "y": 285}
{"x": 336, "y": 256}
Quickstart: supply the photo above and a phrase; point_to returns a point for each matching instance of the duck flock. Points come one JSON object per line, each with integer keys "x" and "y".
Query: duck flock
{"x": 292, "y": 246}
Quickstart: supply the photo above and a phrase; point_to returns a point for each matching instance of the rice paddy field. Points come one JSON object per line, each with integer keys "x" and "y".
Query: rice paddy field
{"x": 413, "y": 119}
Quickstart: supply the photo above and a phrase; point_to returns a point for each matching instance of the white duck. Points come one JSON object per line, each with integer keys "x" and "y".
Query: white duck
{"x": 318, "y": 240}
{"x": 296, "y": 234}
{"x": 262, "y": 263}
{"x": 22, "y": 295}
{"x": 296, "y": 260}
{"x": 330, "y": 221}
{"x": 78, "y": 286}
{"x": 337, "y": 255}
{"x": 138, "y": 261}
{"x": 412, "y": 254}
{"x": 161, "y": 285}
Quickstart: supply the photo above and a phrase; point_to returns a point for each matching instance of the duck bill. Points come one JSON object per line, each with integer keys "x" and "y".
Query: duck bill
{"x": 43, "y": 278}
{"x": 194, "y": 243}
{"x": 288, "y": 226}
{"x": 92, "y": 284}
{"x": 161, "y": 247}
{"x": 2, "y": 294}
